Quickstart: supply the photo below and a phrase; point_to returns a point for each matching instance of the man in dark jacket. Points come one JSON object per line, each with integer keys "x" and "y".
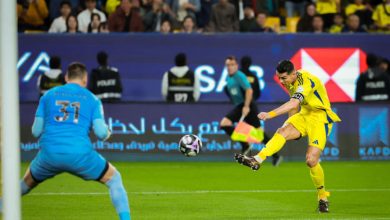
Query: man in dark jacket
{"x": 374, "y": 84}
{"x": 180, "y": 84}
{"x": 154, "y": 18}
{"x": 125, "y": 19}
{"x": 105, "y": 81}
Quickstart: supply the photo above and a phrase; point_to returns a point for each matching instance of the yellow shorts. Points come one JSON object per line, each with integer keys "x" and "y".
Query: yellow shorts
{"x": 315, "y": 130}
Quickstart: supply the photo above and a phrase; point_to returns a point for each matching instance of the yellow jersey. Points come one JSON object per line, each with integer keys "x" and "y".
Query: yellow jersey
{"x": 334, "y": 29}
{"x": 381, "y": 15}
{"x": 352, "y": 8}
{"x": 326, "y": 6}
{"x": 314, "y": 101}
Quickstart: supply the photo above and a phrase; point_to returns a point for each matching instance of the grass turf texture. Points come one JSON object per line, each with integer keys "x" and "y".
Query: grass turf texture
{"x": 219, "y": 190}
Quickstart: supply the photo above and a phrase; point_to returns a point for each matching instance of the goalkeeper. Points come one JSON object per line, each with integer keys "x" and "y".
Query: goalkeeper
{"x": 240, "y": 92}
{"x": 62, "y": 122}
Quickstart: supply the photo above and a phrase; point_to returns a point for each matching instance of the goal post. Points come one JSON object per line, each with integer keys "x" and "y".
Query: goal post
{"x": 9, "y": 104}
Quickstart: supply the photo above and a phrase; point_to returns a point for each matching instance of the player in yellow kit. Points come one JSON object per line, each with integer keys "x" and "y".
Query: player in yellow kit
{"x": 314, "y": 119}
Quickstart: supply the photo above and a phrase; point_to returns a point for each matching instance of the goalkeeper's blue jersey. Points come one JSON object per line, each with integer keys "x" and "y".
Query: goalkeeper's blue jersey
{"x": 68, "y": 112}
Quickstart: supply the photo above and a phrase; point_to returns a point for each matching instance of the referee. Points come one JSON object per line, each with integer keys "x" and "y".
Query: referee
{"x": 240, "y": 91}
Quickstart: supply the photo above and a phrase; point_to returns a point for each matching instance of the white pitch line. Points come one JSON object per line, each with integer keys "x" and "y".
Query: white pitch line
{"x": 206, "y": 192}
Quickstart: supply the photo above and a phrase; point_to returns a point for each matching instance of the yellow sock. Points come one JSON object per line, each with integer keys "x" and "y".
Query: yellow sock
{"x": 318, "y": 177}
{"x": 274, "y": 145}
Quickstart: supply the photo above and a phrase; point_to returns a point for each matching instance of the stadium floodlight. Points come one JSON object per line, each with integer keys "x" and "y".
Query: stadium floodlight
{"x": 10, "y": 150}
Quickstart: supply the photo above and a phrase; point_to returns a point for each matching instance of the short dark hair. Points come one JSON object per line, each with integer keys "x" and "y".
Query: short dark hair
{"x": 372, "y": 60}
{"x": 246, "y": 62}
{"x": 285, "y": 66}
{"x": 231, "y": 58}
{"x": 65, "y": 2}
{"x": 102, "y": 58}
{"x": 181, "y": 59}
{"x": 55, "y": 62}
{"x": 76, "y": 70}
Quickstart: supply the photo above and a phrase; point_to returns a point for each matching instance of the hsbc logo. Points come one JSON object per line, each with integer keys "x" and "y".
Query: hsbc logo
{"x": 337, "y": 68}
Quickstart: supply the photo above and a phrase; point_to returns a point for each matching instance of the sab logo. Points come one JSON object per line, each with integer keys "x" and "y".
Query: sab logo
{"x": 338, "y": 69}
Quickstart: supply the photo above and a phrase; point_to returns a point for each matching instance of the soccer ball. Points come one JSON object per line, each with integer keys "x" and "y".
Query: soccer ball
{"x": 190, "y": 145}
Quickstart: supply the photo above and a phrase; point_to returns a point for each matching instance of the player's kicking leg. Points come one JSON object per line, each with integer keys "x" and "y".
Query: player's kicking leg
{"x": 317, "y": 175}
{"x": 283, "y": 134}
{"x": 113, "y": 180}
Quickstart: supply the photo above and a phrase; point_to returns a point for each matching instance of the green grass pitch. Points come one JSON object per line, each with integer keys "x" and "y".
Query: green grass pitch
{"x": 218, "y": 190}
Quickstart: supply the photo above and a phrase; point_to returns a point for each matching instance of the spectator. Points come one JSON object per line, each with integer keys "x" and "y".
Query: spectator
{"x": 160, "y": 12}
{"x": 103, "y": 28}
{"x": 318, "y": 24}
{"x": 239, "y": 5}
{"x": 327, "y": 9}
{"x": 55, "y": 5}
{"x": 305, "y": 22}
{"x": 223, "y": 18}
{"x": 51, "y": 78}
{"x": 84, "y": 18}
{"x": 249, "y": 21}
{"x": 269, "y": 6}
{"x": 374, "y": 84}
{"x": 357, "y": 5}
{"x": 295, "y": 7}
{"x": 381, "y": 16}
{"x": 180, "y": 84}
{"x": 166, "y": 27}
{"x": 203, "y": 16}
{"x": 338, "y": 24}
{"x": 261, "y": 19}
{"x": 182, "y": 8}
{"x": 125, "y": 19}
{"x": 188, "y": 25}
{"x": 145, "y": 6}
{"x": 32, "y": 15}
{"x": 105, "y": 80}
{"x": 353, "y": 25}
{"x": 111, "y": 6}
{"x": 72, "y": 25}
{"x": 364, "y": 11}
{"x": 59, "y": 24}
{"x": 93, "y": 27}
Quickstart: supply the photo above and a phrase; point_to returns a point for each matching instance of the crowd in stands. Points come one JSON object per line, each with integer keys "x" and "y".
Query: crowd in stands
{"x": 196, "y": 16}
